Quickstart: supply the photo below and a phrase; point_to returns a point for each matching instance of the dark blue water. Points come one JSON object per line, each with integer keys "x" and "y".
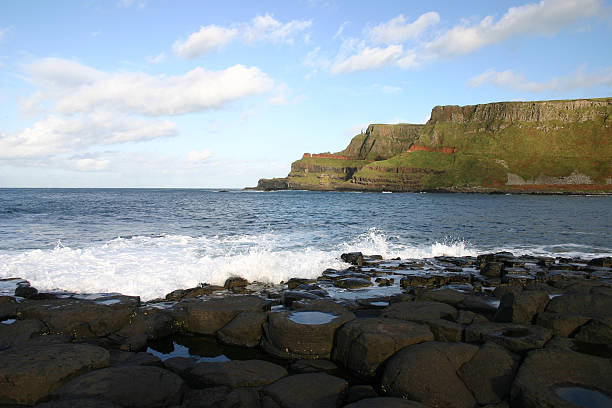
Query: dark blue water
{"x": 61, "y": 235}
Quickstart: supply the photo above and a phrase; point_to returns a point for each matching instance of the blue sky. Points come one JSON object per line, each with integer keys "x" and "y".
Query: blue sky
{"x": 160, "y": 93}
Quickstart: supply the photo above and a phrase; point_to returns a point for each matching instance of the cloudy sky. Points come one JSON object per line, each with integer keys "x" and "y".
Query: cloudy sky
{"x": 164, "y": 93}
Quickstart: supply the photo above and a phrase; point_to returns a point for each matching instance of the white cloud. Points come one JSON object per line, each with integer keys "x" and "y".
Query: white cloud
{"x": 77, "y": 88}
{"x": 265, "y": 27}
{"x": 368, "y": 58}
{"x": 157, "y": 59}
{"x": 340, "y": 30}
{"x": 209, "y": 38}
{"x": 398, "y": 30}
{"x": 89, "y": 164}
{"x": 261, "y": 28}
{"x": 516, "y": 82}
{"x": 55, "y": 134}
{"x": 198, "y": 156}
{"x": 544, "y": 18}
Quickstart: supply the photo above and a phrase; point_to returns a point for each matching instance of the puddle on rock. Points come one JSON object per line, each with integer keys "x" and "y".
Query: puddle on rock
{"x": 584, "y": 397}
{"x": 312, "y": 318}
{"x": 8, "y": 321}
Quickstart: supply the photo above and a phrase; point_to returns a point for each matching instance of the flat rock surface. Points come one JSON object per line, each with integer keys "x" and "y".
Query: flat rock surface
{"x": 546, "y": 375}
{"x": 316, "y": 390}
{"x": 129, "y": 386}
{"x": 427, "y": 373}
{"x": 514, "y": 337}
{"x": 19, "y": 332}
{"x": 244, "y": 330}
{"x": 28, "y": 374}
{"x": 386, "y": 402}
{"x": 362, "y": 345}
{"x": 247, "y": 373}
{"x": 420, "y": 310}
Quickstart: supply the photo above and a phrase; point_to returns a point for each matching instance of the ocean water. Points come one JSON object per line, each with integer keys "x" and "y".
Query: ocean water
{"x": 148, "y": 242}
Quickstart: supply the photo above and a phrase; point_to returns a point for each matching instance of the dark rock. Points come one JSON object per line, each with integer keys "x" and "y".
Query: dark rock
{"x": 313, "y": 366}
{"x": 322, "y": 305}
{"x": 180, "y": 365}
{"x": 19, "y": 332}
{"x": 386, "y": 402}
{"x": 121, "y": 358}
{"x": 235, "y": 283}
{"x": 290, "y": 296}
{"x": 302, "y": 333}
{"x": 427, "y": 373}
{"x": 82, "y": 319}
{"x": 316, "y": 390}
{"x": 208, "y": 316}
{"x": 601, "y": 262}
{"x": 364, "y": 344}
{"x": 546, "y": 374}
{"x": 211, "y": 397}
{"x": 198, "y": 291}
{"x": 469, "y": 317}
{"x": 244, "y": 330}
{"x": 561, "y": 324}
{"x": 448, "y": 296}
{"x": 579, "y": 304}
{"x": 295, "y": 282}
{"x": 493, "y": 270}
{"x": 8, "y": 307}
{"x": 241, "y": 397}
{"x": 80, "y": 403}
{"x": 489, "y": 374}
{"x": 237, "y": 373}
{"x": 352, "y": 283}
{"x": 30, "y": 373}
{"x": 152, "y": 323}
{"x": 354, "y": 258}
{"x": 521, "y": 308}
{"x": 420, "y": 311}
{"x": 132, "y": 386}
{"x": 486, "y": 305}
{"x": 24, "y": 290}
{"x": 514, "y": 337}
{"x": 360, "y": 392}
{"x": 384, "y": 281}
{"x": 445, "y": 330}
{"x": 597, "y": 331}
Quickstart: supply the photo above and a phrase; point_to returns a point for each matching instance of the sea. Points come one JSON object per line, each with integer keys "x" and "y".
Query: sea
{"x": 149, "y": 242}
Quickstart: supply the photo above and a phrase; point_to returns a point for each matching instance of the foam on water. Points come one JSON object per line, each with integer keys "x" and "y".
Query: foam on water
{"x": 151, "y": 267}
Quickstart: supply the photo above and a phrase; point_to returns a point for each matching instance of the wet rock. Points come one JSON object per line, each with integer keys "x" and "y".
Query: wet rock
{"x": 19, "y": 332}
{"x": 489, "y": 374}
{"x": 322, "y": 305}
{"x": 152, "y": 323}
{"x": 302, "y": 333}
{"x": 313, "y": 366}
{"x": 485, "y": 305}
{"x": 384, "y": 281}
{"x": 521, "y": 308}
{"x": 122, "y": 358}
{"x": 420, "y": 311}
{"x": 79, "y": 318}
{"x": 295, "y": 282}
{"x": 180, "y": 365}
{"x": 468, "y": 317}
{"x": 514, "y": 337}
{"x": 235, "y": 283}
{"x": 445, "y": 330}
{"x": 546, "y": 377}
{"x": 386, "y": 402}
{"x": 244, "y": 330}
{"x": 290, "y": 296}
{"x": 316, "y": 390}
{"x": 208, "y": 316}
{"x": 364, "y": 344}
{"x": 132, "y": 386}
{"x": 352, "y": 283}
{"x": 30, "y": 373}
{"x": 493, "y": 270}
{"x": 580, "y": 304}
{"x": 448, "y": 296}
{"x": 246, "y": 373}
{"x": 24, "y": 290}
{"x": 354, "y": 258}
{"x": 601, "y": 262}
{"x": 427, "y": 373}
{"x": 8, "y": 307}
{"x": 198, "y": 291}
{"x": 360, "y": 392}
{"x": 561, "y": 324}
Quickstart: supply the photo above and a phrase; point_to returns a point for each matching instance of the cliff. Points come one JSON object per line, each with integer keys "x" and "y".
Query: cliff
{"x": 543, "y": 146}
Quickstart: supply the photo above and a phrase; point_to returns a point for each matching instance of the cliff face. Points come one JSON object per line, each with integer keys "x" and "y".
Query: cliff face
{"x": 550, "y": 146}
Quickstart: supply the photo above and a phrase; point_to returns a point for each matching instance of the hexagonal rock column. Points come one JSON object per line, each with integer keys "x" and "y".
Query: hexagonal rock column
{"x": 514, "y": 337}
{"x": 28, "y": 374}
{"x": 317, "y": 390}
{"x": 386, "y": 402}
{"x": 302, "y": 333}
{"x": 554, "y": 378}
{"x": 247, "y": 373}
{"x": 208, "y": 316}
{"x": 129, "y": 386}
{"x": 427, "y": 373}
{"x": 420, "y": 310}
{"x": 362, "y": 345}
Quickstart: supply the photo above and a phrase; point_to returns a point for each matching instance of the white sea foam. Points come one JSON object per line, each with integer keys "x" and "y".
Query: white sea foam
{"x": 151, "y": 267}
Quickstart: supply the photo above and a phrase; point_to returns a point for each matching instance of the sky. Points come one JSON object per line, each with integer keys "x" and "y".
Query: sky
{"x": 208, "y": 94}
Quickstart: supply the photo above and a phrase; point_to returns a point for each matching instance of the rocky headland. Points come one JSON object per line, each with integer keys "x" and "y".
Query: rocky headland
{"x": 496, "y": 330}
{"x": 519, "y": 147}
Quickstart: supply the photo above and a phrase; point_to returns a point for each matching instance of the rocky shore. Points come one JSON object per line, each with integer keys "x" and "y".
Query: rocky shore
{"x": 495, "y": 330}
